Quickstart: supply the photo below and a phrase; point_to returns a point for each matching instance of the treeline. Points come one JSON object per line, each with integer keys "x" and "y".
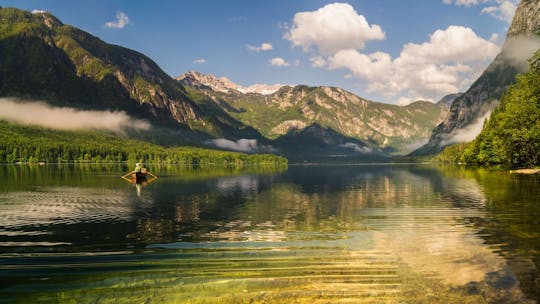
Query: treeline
{"x": 511, "y": 136}
{"x": 32, "y": 145}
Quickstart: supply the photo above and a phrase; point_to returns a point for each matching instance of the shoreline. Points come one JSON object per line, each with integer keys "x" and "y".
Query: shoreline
{"x": 526, "y": 171}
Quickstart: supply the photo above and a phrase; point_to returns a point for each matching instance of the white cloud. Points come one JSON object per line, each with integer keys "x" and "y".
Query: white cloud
{"x": 317, "y": 61}
{"x": 121, "y": 21}
{"x": 36, "y": 11}
{"x": 444, "y": 64}
{"x": 278, "y": 62}
{"x": 494, "y": 38}
{"x": 43, "y": 115}
{"x": 501, "y": 9}
{"x": 199, "y": 61}
{"x": 504, "y": 11}
{"x": 454, "y": 44}
{"x": 332, "y": 28}
{"x": 242, "y": 145}
{"x": 448, "y": 62}
{"x": 465, "y": 2}
{"x": 283, "y": 26}
{"x": 264, "y": 47}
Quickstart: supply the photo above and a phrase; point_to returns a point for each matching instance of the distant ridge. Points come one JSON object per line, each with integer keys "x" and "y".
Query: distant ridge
{"x": 223, "y": 84}
{"x": 291, "y": 109}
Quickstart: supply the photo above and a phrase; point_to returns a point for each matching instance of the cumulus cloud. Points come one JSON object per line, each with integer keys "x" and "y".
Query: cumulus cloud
{"x": 199, "y": 61}
{"x": 318, "y": 61}
{"x": 332, "y": 28}
{"x": 242, "y": 145}
{"x": 426, "y": 71}
{"x": 447, "y": 63}
{"x": 264, "y": 47}
{"x": 278, "y": 62}
{"x": 121, "y": 21}
{"x": 501, "y": 9}
{"x": 468, "y": 133}
{"x": 43, "y": 115}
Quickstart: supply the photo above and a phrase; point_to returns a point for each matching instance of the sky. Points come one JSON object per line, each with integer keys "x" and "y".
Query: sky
{"x": 393, "y": 51}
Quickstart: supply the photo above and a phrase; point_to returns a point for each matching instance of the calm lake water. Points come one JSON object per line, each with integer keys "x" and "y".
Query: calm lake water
{"x": 311, "y": 234}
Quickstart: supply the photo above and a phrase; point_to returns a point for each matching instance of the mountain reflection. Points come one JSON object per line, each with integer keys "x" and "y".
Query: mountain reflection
{"x": 466, "y": 233}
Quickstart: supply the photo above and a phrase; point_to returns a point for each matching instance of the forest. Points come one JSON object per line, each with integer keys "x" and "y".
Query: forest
{"x": 511, "y": 136}
{"x": 25, "y": 144}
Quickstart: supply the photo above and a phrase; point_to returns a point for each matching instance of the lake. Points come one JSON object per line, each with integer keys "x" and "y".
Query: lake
{"x": 309, "y": 234}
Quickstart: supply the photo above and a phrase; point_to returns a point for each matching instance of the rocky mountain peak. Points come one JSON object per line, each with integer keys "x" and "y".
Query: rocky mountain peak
{"x": 48, "y": 19}
{"x": 200, "y": 80}
{"x": 224, "y": 84}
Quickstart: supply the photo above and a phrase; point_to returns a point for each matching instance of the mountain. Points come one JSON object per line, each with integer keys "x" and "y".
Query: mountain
{"x": 484, "y": 94}
{"x": 223, "y": 84}
{"x": 394, "y": 129}
{"x": 42, "y": 58}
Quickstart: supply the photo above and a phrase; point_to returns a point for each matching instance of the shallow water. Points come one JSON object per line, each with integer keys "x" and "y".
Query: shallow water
{"x": 311, "y": 234}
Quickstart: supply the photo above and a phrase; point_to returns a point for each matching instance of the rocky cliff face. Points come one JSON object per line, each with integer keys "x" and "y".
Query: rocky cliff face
{"x": 483, "y": 95}
{"x": 292, "y": 109}
{"x": 526, "y": 20}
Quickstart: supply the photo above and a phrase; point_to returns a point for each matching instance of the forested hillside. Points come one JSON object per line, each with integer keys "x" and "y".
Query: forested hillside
{"x": 511, "y": 136}
{"x": 32, "y": 144}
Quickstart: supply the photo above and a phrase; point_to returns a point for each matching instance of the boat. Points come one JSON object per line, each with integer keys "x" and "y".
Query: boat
{"x": 142, "y": 177}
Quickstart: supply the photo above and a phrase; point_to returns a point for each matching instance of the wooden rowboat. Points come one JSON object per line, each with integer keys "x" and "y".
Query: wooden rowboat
{"x": 142, "y": 177}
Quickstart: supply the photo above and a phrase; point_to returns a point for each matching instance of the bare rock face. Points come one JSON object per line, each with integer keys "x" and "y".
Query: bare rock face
{"x": 526, "y": 20}
{"x": 483, "y": 96}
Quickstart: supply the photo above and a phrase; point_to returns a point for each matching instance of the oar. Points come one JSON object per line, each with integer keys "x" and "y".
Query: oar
{"x": 125, "y": 176}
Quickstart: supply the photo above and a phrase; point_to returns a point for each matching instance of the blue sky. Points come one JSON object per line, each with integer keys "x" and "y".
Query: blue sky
{"x": 389, "y": 51}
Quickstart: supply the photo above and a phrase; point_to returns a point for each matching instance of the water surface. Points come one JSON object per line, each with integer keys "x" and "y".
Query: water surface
{"x": 311, "y": 234}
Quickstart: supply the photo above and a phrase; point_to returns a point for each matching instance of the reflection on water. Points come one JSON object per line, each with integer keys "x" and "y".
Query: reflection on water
{"x": 317, "y": 234}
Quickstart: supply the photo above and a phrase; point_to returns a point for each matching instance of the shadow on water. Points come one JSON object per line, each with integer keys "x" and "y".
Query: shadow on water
{"x": 317, "y": 234}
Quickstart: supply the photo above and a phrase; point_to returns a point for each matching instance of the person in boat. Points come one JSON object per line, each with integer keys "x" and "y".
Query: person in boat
{"x": 138, "y": 168}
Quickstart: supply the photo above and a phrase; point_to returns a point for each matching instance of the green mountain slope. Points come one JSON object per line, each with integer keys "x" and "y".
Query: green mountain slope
{"x": 41, "y": 58}
{"x": 393, "y": 128}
